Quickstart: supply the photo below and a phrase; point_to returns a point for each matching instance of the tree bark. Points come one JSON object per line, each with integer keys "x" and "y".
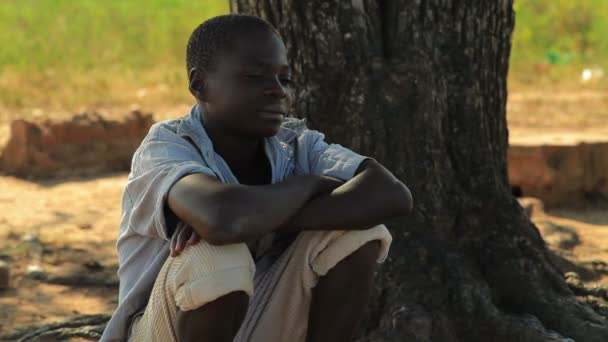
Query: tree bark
{"x": 420, "y": 85}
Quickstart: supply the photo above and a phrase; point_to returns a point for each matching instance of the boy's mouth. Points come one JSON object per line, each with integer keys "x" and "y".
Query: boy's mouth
{"x": 271, "y": 114}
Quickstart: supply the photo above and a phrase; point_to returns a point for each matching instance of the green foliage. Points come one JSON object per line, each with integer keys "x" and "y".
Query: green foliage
{"x": 560, "y": 32}
{"x": 85, "y": 34}
{"x": 64, "y": 54}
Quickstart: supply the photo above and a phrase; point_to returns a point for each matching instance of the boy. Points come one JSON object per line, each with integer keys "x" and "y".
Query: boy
{"x": 273, "y": 234}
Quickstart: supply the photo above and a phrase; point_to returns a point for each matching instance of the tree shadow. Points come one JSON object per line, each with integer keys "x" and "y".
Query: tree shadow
{"x": 592, "y": 213}
{"x": 51, "y": 182}
{"x": 587, "y": 271}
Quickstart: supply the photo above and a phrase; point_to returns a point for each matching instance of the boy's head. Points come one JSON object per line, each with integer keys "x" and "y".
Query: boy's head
{"x": 239, "y": 74}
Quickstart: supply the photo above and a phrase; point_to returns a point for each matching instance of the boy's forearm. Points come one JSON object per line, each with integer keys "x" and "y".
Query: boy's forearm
{"x": 259, "y": 210}
{"x": 368, "y": 199}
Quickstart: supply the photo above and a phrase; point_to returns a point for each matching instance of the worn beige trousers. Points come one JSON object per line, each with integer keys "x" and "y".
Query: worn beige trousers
{"x": 279, "y": 296}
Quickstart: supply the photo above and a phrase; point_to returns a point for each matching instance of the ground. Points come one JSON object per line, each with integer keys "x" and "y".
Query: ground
{"x": 561, "y": 116}
{"x": 69, "y": 226}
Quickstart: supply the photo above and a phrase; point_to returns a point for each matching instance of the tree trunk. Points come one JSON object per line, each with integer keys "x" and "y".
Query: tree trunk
{"x": 420, "y": 85}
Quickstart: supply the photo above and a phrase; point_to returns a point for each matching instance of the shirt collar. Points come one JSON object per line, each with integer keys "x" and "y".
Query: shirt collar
{"x": 192, "y": 127}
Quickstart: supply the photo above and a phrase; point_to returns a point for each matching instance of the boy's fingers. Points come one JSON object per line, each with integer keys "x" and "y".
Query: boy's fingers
{"x": 173, "y": 243}
{"x": 181, "y": 238}
{"x": 194, "y": 238}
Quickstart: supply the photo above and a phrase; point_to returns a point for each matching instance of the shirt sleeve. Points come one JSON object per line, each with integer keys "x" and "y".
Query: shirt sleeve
{"x": 157, "y": 166}
{"x": 315, "y": 156}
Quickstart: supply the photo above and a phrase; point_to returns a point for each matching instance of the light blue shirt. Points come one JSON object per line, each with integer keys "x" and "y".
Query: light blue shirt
{"x": 173, "y": 149}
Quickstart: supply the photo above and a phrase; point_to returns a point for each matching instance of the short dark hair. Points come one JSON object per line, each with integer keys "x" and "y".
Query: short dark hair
{"x": 216, "y": 34}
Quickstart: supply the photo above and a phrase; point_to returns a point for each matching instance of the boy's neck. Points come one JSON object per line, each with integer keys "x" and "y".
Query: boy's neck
{"x": 237, "y": 151}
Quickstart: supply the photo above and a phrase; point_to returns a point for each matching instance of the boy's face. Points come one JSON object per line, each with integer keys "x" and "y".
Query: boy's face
{"x": 248, "y": 92}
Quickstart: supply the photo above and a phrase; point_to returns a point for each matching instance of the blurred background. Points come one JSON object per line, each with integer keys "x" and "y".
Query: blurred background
{"x": 62, "y": 55}
{"x": 109, "y": 67}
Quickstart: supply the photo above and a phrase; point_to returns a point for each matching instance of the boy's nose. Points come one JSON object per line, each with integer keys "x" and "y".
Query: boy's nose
{"x": 276, "y": 88}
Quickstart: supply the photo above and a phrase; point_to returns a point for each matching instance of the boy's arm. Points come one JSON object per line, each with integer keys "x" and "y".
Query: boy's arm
{"x": 230, "y": 213}
{"x": 367, "y": 199}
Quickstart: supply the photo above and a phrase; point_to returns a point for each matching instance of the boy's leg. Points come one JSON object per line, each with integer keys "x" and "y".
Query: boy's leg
{"x": 340, "y": 298}
{"x": 204, "y": 281}
{"x": 284, "y": 294}
{"x": 216, "y": 321}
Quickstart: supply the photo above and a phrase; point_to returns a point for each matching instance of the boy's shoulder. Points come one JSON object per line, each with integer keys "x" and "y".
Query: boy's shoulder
{"x": 165, "y": 128}
{"x": 170, "y": 131}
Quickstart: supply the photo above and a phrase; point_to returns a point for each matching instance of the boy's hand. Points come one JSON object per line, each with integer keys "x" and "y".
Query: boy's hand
{"x": 183, "y": 236}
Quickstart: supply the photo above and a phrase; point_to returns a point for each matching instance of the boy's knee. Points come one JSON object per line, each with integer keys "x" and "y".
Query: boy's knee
{"x": 360, "y": 246}
{"x": 369, "y": 251}
{"x": 320, "y": 251}
{"x": 203, "y": 273}
{"x": 364, "y": 258}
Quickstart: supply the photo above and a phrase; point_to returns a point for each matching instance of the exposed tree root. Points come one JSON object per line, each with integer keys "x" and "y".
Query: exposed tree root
{"x": 596, "y": 296}
{"x": 81, "y": 280}
{"x": 524, "y": 281}
{"x": 84, "y": 326}
{"x": 492, "y": 322}
{"x": 575, "y": 284}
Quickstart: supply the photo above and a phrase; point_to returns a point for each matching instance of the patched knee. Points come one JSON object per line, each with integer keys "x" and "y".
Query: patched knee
{"x": 205, "y": 258}
{"x": 361, "y": 248}
{"x": 205, "y": 272}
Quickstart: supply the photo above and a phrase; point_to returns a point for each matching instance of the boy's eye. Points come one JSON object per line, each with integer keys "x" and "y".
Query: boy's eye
{"x": 285, "y": 80}
{"x": 253, "y": 76}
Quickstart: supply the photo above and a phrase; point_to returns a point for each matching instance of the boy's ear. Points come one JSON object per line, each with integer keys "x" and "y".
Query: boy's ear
{"x": 198, "y": 83}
